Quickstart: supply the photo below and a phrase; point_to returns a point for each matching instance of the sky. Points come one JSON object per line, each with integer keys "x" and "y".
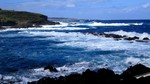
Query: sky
{"x": 83, "y": 9}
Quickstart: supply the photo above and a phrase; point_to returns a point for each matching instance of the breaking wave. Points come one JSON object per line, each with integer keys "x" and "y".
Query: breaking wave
{"x": 113, "y": 24}
{"x": 106, "y": 24}
{"x": 80, "y": 51}
{"x": 130, "y": 34}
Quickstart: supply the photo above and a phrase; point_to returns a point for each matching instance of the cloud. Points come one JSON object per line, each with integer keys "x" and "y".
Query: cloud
{"x": 129, "y": 9}
{"x": 138, "y": 7}
{"x": 135, "y": 8}
{"x": 43, "y": 3}
{"x": 34, "y": 4}
{"x": 146, "y": 5}
{"x": 50, "y": 4}
{"x": 70, "y": 5}
{"x": 60, "y": 3}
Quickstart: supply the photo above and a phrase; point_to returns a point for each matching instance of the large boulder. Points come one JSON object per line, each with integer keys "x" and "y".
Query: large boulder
{"x": 135, "y": 70}
{"x": 44, "y": 80}
{"x": 107, "y": 76}
{"x": 146, "y": 38}
{"x": 50, "y": 68}
{"x": 89, "y": 76}
{"x": 131, "y": 38}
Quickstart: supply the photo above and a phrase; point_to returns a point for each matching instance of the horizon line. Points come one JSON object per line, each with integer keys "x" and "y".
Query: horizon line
{"x": 89, "y": 19}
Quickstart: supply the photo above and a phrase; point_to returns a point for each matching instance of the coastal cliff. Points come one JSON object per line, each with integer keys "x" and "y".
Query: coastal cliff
{"x": 17, "y": 19}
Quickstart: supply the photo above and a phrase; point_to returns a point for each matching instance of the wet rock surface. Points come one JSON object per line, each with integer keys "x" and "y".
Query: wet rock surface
{"x": 120, "y": 37}
{"x": 102, "y": 76}
{"x": 50, "y": 68}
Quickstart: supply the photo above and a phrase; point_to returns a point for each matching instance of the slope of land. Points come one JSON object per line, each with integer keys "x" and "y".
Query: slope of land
{"x": 22, "y": 19}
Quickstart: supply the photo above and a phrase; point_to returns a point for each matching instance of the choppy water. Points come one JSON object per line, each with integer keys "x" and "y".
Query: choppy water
{"x": 24, "y": 52}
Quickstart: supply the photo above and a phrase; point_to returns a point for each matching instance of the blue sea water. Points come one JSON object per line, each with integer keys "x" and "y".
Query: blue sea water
{"x": 70, "y": 48}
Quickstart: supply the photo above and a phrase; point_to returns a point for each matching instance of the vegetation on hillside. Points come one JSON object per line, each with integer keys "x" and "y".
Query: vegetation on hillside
{"x": 22, "y": 18}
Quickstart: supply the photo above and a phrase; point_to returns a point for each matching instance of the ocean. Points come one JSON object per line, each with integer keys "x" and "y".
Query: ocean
{"x": 71, "y": 48}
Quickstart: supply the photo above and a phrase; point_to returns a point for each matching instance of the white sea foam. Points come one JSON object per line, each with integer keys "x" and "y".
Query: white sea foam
{"x": 136, "y": 23}
{"x": 62, "y": 24}
{"x": 79, "y": 67}
{"x": 38, "y": 73}
{"x": 130, "y": 34}
{"x": 59, "y": 28}
{"x": 81, "y": 40}
{"x": 108, "y": 24}
{"x": 63, "y": 70}
{"x": 44, "y": 28}
{"x": 104, "y": 24}
{"x": 132, "y": 60}
{"x": 91, "y": 42}
{"x": 111, "y": 24}
{"x": 88, "y": 42}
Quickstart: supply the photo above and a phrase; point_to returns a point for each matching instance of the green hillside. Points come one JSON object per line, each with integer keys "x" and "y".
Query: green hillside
{"x": 22, "y": 18}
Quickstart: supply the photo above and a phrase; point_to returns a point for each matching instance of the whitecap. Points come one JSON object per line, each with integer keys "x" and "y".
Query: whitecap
{"x": 130, "y": 34}
{"x": 132, "y": 60}
{"x": 107, "y": 24}
{"x": 62, "y": 24}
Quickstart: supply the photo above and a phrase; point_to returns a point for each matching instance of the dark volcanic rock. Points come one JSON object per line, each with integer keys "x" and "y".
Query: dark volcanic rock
{"x": 53, "y": 23}
{"x": 130, "y": 38}
{"x": 135, "y": 70}
{"x": 135, "y": 37}
{"x": 124, "y": 36}
{"x": 119, "y": 37}
{"x": 146, "y": 38}
{"x": 102, "y": 76}
{"x": 44, "y": 80}
{"x": 50, "y": 68}
{"x": 72, "y": 79}
{"x": 89, "y": 76}
{"x": 113, "y": 35}
{"x": 107, "y": 76}
{"x": 130, "y": 74}
{"x": 143, "y": 80}
{"x": 105, "y": 73}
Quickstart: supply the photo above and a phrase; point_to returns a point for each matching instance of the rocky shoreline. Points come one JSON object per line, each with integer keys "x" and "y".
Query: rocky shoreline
{"x": 120, "y": 37}
{"x": 134, "y": 74}
{"x": 29, "y": 25}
